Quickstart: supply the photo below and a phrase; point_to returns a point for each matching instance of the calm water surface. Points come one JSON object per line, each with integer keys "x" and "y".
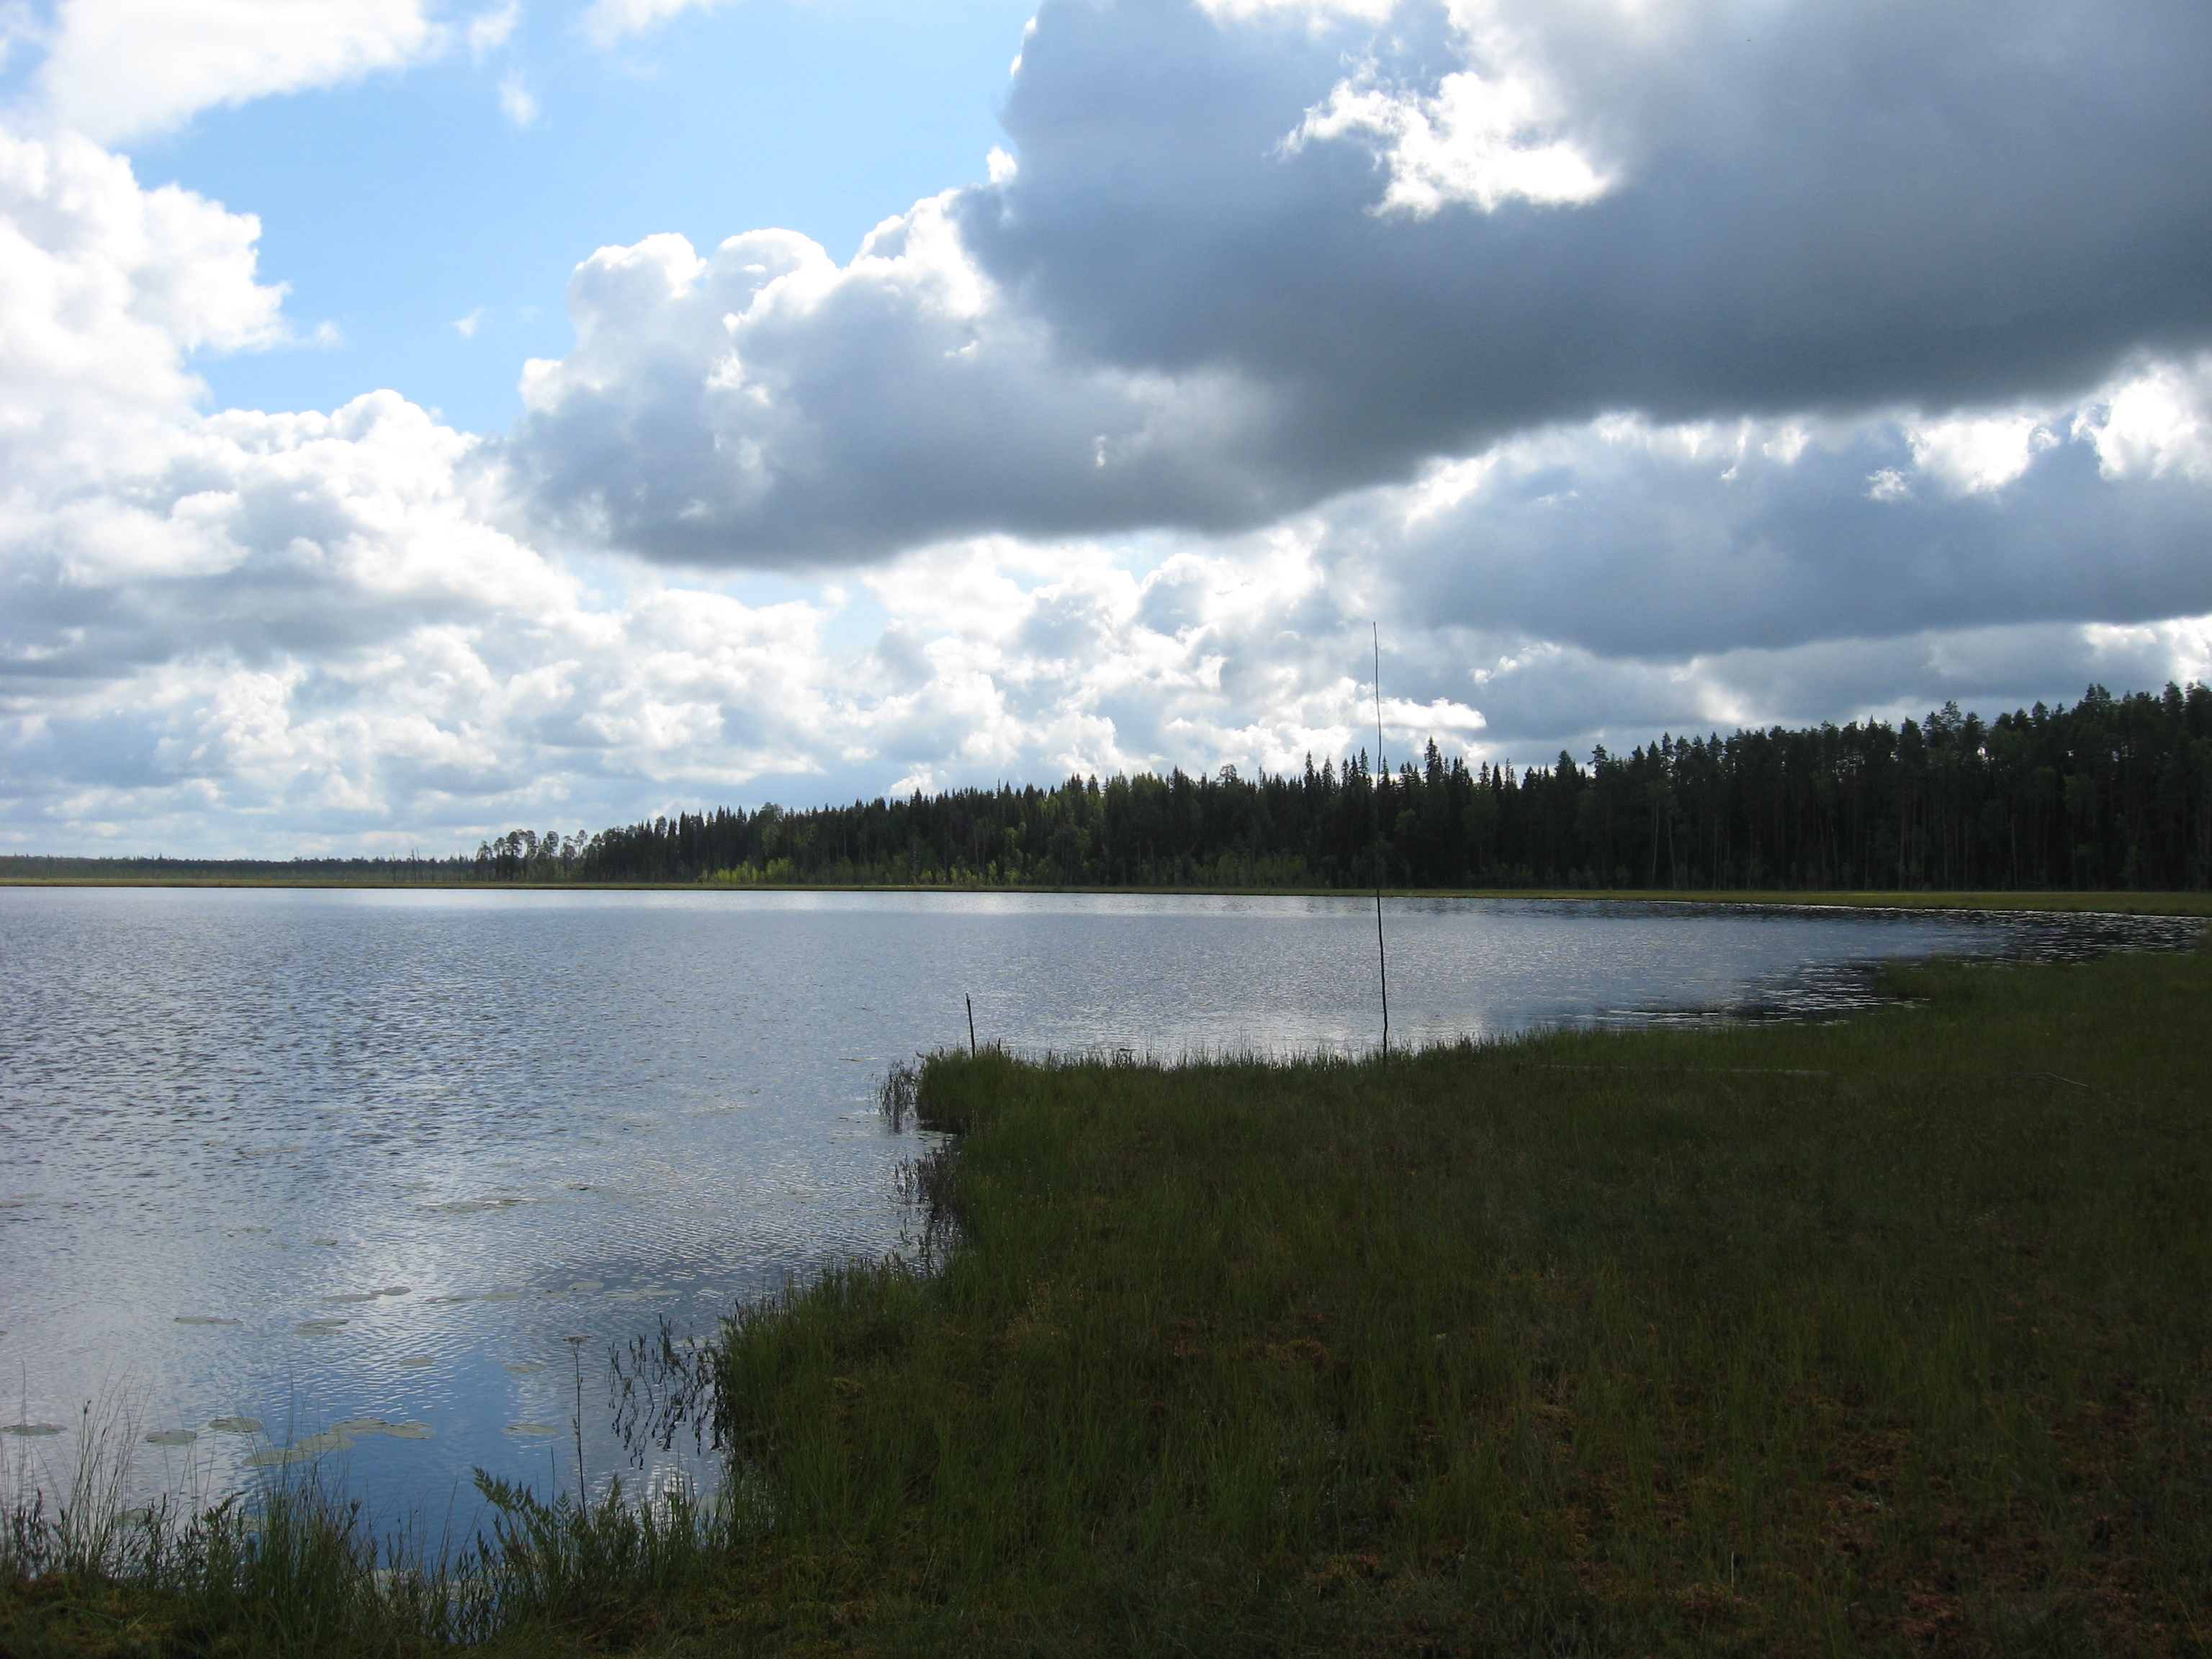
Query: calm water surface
{"x": 403, "y": 1145}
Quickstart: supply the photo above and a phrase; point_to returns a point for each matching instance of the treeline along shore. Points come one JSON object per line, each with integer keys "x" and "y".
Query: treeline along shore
{"x": 2113, "y": 793}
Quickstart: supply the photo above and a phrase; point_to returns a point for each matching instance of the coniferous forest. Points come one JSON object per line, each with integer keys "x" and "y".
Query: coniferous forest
{"x": 2115, "y": 793}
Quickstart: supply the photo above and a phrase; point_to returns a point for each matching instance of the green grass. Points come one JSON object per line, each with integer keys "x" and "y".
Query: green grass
{"x": 1630, "y": 1343}
{"x": 303, "y": 1572}
{"x": 1884, "y": 1336}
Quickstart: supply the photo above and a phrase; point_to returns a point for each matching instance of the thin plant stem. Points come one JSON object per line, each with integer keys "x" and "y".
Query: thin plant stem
{"x": 576, "y": 1355}
{"x": 1375, "y": 797}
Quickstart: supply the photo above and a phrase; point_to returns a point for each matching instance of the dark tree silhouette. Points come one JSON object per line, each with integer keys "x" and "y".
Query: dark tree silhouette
{"x": 2113, "y": 793}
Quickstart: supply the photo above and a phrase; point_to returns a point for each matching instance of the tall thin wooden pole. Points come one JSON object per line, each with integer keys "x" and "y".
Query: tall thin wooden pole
{"x": 1382, "y": 956}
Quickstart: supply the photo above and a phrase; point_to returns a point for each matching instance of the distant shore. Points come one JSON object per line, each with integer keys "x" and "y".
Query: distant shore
{"x": 2107, "y": 902}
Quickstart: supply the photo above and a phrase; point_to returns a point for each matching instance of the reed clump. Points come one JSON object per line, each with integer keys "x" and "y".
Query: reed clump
{"x": 302, "y": 1569}
{"x": 1886, "y": 1336}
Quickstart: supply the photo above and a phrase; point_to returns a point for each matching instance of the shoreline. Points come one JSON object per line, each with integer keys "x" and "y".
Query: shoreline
{"x": 1855, "y": 1335}
{"x": 2095, "y": 903}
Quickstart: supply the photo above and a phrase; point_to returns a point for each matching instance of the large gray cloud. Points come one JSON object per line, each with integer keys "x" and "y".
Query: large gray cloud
{"x": 764, "y": 405}
{"x": 1812, "y": 207}
{"x": 1631, "y": 540}
{"x": 1249, "y": 261}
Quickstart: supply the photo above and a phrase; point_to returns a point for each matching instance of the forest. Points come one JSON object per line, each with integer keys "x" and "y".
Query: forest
{"x": 2115, "y": 793}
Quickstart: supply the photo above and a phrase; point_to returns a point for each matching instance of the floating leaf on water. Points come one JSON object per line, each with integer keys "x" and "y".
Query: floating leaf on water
{"x": 408, "y": 1431}
{"x": 656, "y": 1290}
{"x": 504, "y": 1296}
{"x": 360, "y": 1425}
{"x": 522, "y": 1367}
{"x": 419, "y": 1359}
{"x": 237, "y": 1425}
{"x": 324, "y": 1242}
{"x": 275, "y": 1457}
{"x": 203, "y": 1318}
{"x": 173, "y": 1436}
{"x": 587, "y": 1285}
{"x": 397, "y": 1289}
{"x": 318, "y": 1327}
{"x": 429, "y": 1301}
{"x": 30, "y": 1430}
{"x": 473, "y": 1206}
{"x": 315, "y": 1444}
{"x": 529, "y": 1429}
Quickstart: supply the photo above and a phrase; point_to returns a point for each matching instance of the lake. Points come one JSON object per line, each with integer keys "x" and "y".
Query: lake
{"x": 319, "y": 1157}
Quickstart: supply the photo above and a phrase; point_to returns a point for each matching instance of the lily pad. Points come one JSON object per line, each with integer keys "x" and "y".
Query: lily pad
{"x": 587, "y": 1285}
{"x": 359, "y": 1427}
{"x": 418, "y": 1359}
{"x": 523, "y": 1367}
{"x": 397, "y": 1289}
{"x": 532, "y": 1430}
{"x": 173, "y": 1436}
{"x": 325, "y": 1243}
{"x": 30, "y": 1430}
{"x": 317, "y": 1326}
{"x": 203, "y": 1319}
{"x": 237, "y": 1425}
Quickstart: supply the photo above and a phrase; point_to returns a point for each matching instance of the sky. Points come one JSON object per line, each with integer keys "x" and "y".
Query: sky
{"x": 419, "y": 421}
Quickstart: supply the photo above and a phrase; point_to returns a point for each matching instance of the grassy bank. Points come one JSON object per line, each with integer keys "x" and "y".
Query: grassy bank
{"x": 1884, "y": 1336}
{"x": 1879, "y": 1336}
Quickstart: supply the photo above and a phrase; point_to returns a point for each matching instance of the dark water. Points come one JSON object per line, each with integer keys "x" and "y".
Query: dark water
{"x": 471, "y": 1126}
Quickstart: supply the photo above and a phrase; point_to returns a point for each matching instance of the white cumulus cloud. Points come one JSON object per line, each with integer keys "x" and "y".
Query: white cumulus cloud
{"x": 1636, "y": 368}
{"x": 1475, "y": 140}
{"x": 118, "y": 69}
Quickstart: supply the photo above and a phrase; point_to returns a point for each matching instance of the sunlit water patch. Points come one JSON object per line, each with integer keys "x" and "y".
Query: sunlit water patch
{"x": 381, "y": 1178}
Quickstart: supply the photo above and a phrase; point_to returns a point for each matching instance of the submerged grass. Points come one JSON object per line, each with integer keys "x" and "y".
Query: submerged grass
{"x": 1890, "y": 1335}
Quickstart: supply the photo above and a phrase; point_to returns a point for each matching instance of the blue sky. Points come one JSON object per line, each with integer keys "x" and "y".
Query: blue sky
{"x": 421, "y": 420}
{"x": 410, "y": 201}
